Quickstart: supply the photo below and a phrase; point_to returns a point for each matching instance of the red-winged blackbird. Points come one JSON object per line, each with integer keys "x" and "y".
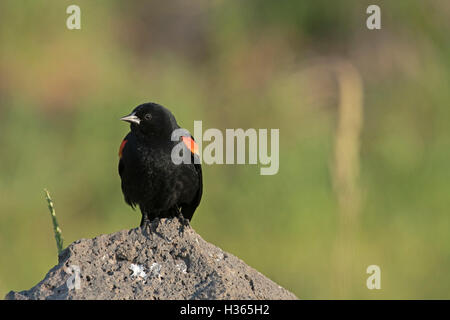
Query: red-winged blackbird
{"x": 150, "y": 179}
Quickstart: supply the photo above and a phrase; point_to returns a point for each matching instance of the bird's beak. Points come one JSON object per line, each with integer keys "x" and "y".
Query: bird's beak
{"x": 132, "y": 118}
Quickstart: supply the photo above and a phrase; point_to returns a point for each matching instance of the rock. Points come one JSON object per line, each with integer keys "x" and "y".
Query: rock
{"x": 165, "y": 260}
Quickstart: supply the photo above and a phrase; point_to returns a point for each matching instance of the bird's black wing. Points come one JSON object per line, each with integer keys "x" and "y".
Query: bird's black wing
{"x": 189, "y": 209}
{"x": 198, "y": 196}
{"x": 123, "y": 173}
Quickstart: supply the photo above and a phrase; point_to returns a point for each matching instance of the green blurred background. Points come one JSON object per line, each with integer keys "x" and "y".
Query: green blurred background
{"x": 238, "y": 64}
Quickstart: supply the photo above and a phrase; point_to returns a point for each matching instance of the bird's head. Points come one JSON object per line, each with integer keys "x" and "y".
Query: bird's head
{"x": 151, "y": 119}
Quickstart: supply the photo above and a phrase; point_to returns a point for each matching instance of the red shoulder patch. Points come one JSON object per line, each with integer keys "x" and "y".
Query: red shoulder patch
{"x": 190, "y": 143}
{"x": 122, "y": 145}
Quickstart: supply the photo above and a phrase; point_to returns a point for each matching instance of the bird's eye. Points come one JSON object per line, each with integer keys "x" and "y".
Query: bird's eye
{"x": 148, "y": 116}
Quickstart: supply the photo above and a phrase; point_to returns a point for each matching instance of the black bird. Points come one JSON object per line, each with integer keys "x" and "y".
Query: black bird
{"x": 150, "y": 179}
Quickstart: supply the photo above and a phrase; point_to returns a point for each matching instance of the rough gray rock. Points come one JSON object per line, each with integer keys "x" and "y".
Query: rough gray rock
{"x": 165, "y": 260}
